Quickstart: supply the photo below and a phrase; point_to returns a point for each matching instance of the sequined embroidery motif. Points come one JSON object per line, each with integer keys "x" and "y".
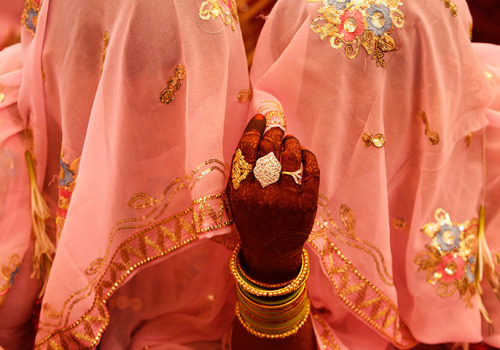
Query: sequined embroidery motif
{"x": 225, "y": 9}
{"x": 377, "y": 140}
{"x": 29, "y": 16}
{"x": 450, "y": 259}
{"x": 245, "y": 95}
{"x": 67, "y": 183}
{"x": 450, "y": 5}
{"x": 8, "y": 272}
{"x": 353, "y": 24}
{"x": 173, "y": 84}
{"x": 433, "y": 136}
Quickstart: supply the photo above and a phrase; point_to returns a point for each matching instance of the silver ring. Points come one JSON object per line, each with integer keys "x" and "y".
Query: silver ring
{"x": 267, "y": 170}
{"x": 297, "y": 175}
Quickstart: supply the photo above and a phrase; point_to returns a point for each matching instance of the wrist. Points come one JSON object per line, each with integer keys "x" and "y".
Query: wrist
{"x": 270, "y": 268}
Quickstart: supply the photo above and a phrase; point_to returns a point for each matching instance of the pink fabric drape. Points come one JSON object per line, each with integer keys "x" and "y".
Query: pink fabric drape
{"x": 397, "y": 121}
{"x": 136, "y": 185}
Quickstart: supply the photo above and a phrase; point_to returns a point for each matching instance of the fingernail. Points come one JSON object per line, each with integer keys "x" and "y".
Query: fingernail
{"x": 259, "y": 117}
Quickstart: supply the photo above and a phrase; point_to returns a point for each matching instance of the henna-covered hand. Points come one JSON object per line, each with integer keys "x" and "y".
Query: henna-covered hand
{"x": 274, "y": 222}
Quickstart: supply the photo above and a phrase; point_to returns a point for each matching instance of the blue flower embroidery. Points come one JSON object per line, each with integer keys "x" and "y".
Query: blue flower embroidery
{"x": 68, "y": 174}
{"x": 468, "y": 270}
{"x": 379, "y": 20}
{"x": 31, "y": 19}
{"x": 13, "y": 274}
{"x": 339, "y": 4}
{"x": 448, "y": 237}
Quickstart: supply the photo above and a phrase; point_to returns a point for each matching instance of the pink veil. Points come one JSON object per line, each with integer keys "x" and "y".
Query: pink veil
{"x": 393, "y": 99}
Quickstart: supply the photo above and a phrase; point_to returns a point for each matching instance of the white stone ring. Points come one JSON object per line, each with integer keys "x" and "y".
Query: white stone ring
{"x": 297, "y": 175}
{"x": 267, "y": 170}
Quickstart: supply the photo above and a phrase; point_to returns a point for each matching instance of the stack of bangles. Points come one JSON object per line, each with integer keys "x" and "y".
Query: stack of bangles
{"x": 271, "y": 311}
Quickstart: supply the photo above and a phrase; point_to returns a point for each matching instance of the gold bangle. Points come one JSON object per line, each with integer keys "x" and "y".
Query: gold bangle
{"x": 269, "y": 333}
{"x": 260, "y": 284}
{"x": 257, "y": 290}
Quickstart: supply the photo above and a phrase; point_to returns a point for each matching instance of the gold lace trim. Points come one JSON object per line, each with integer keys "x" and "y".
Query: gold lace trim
{"x": 154, "y": 237}
{"x": 347, "y": 235}
{"x": 360, "y": 295}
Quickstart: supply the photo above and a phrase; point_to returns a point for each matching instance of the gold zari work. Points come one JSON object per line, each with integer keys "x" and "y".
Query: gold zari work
{"x": 450, "y": 259}
{"x": 245, "y": 95}
{"x": 143, "y": 239}
{"x": 359, "y": 294}
{"x": 7, "y": 273}
{"x": 225, "y": 9}
{"x": 433, "y": 136}
{"x": 326, "y": 337}
{"x": 355, "y": 24}
{"x": 104, "y": 47}
{"x": 377, "y": 140}
{"x": 451, "y": 5}
{"x": 173, "y": 84}
{"x": 347, "y": 235}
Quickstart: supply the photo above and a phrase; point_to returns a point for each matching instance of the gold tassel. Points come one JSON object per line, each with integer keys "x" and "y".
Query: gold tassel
{"x": 485, "y": 264}
{"x": 43, "y": 246}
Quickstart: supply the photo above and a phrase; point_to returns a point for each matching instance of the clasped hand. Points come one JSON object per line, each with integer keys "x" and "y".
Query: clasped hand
{"x": 273, "y": 221}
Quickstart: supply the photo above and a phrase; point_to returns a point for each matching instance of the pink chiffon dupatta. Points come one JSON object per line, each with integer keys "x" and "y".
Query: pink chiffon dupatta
{"x": 393, "y": 99}
{"x": 135, "y": 115}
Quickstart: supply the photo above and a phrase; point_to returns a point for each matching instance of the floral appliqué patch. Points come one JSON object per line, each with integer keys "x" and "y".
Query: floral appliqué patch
{"x": 356, "y": 24}
{"x": 226, "y": 9}
{"x": 29, "y": 16}
{"x": 67, "y": 183}
{"x": 450, "y": 259}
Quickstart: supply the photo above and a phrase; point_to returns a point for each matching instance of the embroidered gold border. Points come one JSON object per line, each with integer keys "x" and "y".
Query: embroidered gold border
{"x": 153, "y": 241}
{"x": 327, "y": 340}
{"x": 348, "y": 235}
{"x": 156, "y": 207}
{"x": 360, "y": 295}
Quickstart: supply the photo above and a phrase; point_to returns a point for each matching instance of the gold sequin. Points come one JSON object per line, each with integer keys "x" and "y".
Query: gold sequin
{"x": 401, "y": 224}
{"x": 489, "y": 76}
{"x": 451, "y": 5}
{"x": 42, "y": 72}
{"x": 468, "y": 139}
{"x": 433, "y": 136}
{"x": 104, "y": 47}
{"x": 471, "y": 32}
{"x": 173, "y": 84}
{"x": 245, "y": 95}
{"x": 351, "y": 25}
{"x": 2, "y": 97}
{"x": 377, "y": 140}
{"x": 225, "y": 9}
